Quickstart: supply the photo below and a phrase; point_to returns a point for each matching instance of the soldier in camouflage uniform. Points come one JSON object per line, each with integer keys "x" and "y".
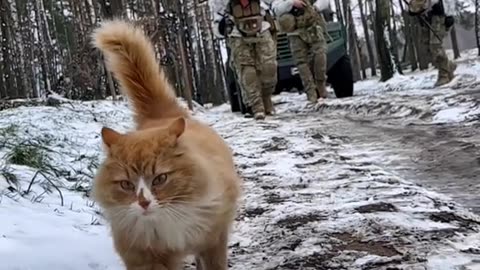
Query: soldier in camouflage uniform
{"x": 305, "y": 26}
{"x": 434, "y": 13}
{"x": 253, "y": 51}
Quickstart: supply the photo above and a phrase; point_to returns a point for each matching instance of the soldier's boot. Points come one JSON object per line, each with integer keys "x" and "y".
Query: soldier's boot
{"x": 443, "y": 64}
{"x": 443, "y": 77}
{"x": 268, "y": 104}
{"x": 312, "y": 95}
{"x": 442, "y": 80}
{"x": 258, "y": 110}
{"x": 259, "y": 116}
{"x": 248, "y": 112}
{"x": 322, "y": 89}
{"x": 320, "y": 69}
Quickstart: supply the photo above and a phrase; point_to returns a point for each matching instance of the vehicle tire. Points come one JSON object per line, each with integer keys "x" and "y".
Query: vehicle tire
{"x": 298, "y": 84}
{"x": 232, "y": 91}
{"x": 278, "y": 88}
{"x": 340, "y": 76}
{"x": 283, "y": 86}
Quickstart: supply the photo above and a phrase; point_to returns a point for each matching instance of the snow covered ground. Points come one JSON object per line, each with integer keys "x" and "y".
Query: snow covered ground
{"x": 359, "y": 183}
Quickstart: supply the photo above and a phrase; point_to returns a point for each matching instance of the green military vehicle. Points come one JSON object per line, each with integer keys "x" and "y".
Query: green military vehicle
{"x": 339, "y": 70}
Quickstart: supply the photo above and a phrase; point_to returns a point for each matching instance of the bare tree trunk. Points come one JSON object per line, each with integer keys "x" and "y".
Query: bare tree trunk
{"x": 453, "y": 37}
{"x": 22, "y": 79}
{"x": 43, "y": 44}
{"x": 385, "y": 59}
{"x": 109, "y": 12}
{"x": 115, "y": 8}
{"x": 65, "y": 33}
{"x": 409, "y": 38}
{"x": 352, "y": 47}
{"x": 22, "y": 91}
{"x": 368, "y": 43}
{"x": 196, "y": 51}
{"x": 338, "y": 8}
{"x": 186, "y": 73}
{"x": 215, "y": 89}
{"x": 33, "y": 66}
{"x": 220, "y": 81}
{"x": 187, "y": 76}
{"x": 7, "y": 61}
{"x": 477, "y": 24}
{"x": 392, "y": 30}
{"x": 3, "y": 91}
{"x": 423, "y": 52}
{"x": 56, "y": 48}
{"x": 111, "y": 86}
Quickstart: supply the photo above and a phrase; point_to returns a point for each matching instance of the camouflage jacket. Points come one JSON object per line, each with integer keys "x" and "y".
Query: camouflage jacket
{"x": 220, "y": 11}
{"x": 283, "y": 8}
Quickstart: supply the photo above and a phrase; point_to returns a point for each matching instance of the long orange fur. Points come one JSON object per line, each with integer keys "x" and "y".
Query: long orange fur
{"x": 182, "y": 163}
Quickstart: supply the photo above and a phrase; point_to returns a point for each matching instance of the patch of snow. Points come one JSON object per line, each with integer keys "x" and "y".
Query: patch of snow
{"x": 373, "y": 259}
{"x": 54, "y": 238}
{"x": 451, "y": 115}
{"x": 451, "y": 261}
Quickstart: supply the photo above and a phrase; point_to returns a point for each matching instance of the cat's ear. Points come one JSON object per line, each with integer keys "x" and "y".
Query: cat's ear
{"x": 177, "y": 127}
{"x": 110, "y": 136}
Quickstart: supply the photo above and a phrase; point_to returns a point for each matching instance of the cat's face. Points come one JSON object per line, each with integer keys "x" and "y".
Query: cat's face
{"x": 146, "y": 172}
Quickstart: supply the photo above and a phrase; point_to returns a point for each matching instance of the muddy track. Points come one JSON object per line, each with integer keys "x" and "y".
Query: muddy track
{"x": 326, "y": 192}
{"x": 399, "y": 129}
{"x": 445, "y": 158}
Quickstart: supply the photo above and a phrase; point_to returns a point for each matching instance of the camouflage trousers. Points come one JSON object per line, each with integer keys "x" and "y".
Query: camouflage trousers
{"x": 309, "y": 48}
{"x": 439, "y": 56}
{"x": 254, "y": 60}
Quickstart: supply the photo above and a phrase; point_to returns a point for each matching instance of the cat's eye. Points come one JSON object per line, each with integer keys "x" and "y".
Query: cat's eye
{"x": 160, "y": 179}
{"x": 127, "y": 185}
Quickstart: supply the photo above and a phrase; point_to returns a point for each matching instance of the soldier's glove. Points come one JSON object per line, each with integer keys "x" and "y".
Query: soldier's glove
{"x": 449, "y": 21}
{"x": 225, "y": 26}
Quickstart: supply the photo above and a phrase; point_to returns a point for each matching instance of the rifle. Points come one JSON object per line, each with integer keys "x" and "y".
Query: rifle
{"x": 427, "y": 24}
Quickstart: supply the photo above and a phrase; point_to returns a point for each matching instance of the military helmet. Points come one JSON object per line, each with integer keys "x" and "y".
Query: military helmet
{"x": 287, "y": 22}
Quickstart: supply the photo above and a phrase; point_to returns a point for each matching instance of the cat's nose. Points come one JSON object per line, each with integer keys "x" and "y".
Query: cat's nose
{"x": 144, "y": 204}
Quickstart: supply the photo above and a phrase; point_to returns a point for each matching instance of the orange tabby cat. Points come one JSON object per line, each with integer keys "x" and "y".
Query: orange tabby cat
{"x": 168, "y": 189}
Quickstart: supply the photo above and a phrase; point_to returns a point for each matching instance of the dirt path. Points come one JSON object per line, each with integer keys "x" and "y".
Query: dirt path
{"x": 444, "y": 158}
{"x": 326, "y": 191}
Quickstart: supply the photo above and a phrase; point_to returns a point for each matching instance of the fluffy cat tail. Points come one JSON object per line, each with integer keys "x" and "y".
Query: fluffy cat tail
{"x": 130, "y": 56}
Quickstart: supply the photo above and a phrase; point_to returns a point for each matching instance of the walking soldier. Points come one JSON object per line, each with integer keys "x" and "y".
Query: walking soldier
{"x": 435, "y": 24}
{"x": 305, "y": 27}
{"x": 253, "y": 50}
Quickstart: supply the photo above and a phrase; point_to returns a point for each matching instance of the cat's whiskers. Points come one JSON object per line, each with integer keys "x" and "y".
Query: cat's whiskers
{"x": 179, "y": 216}
{"x": 174, "y": 198}
{"x": 132, "y": 240}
